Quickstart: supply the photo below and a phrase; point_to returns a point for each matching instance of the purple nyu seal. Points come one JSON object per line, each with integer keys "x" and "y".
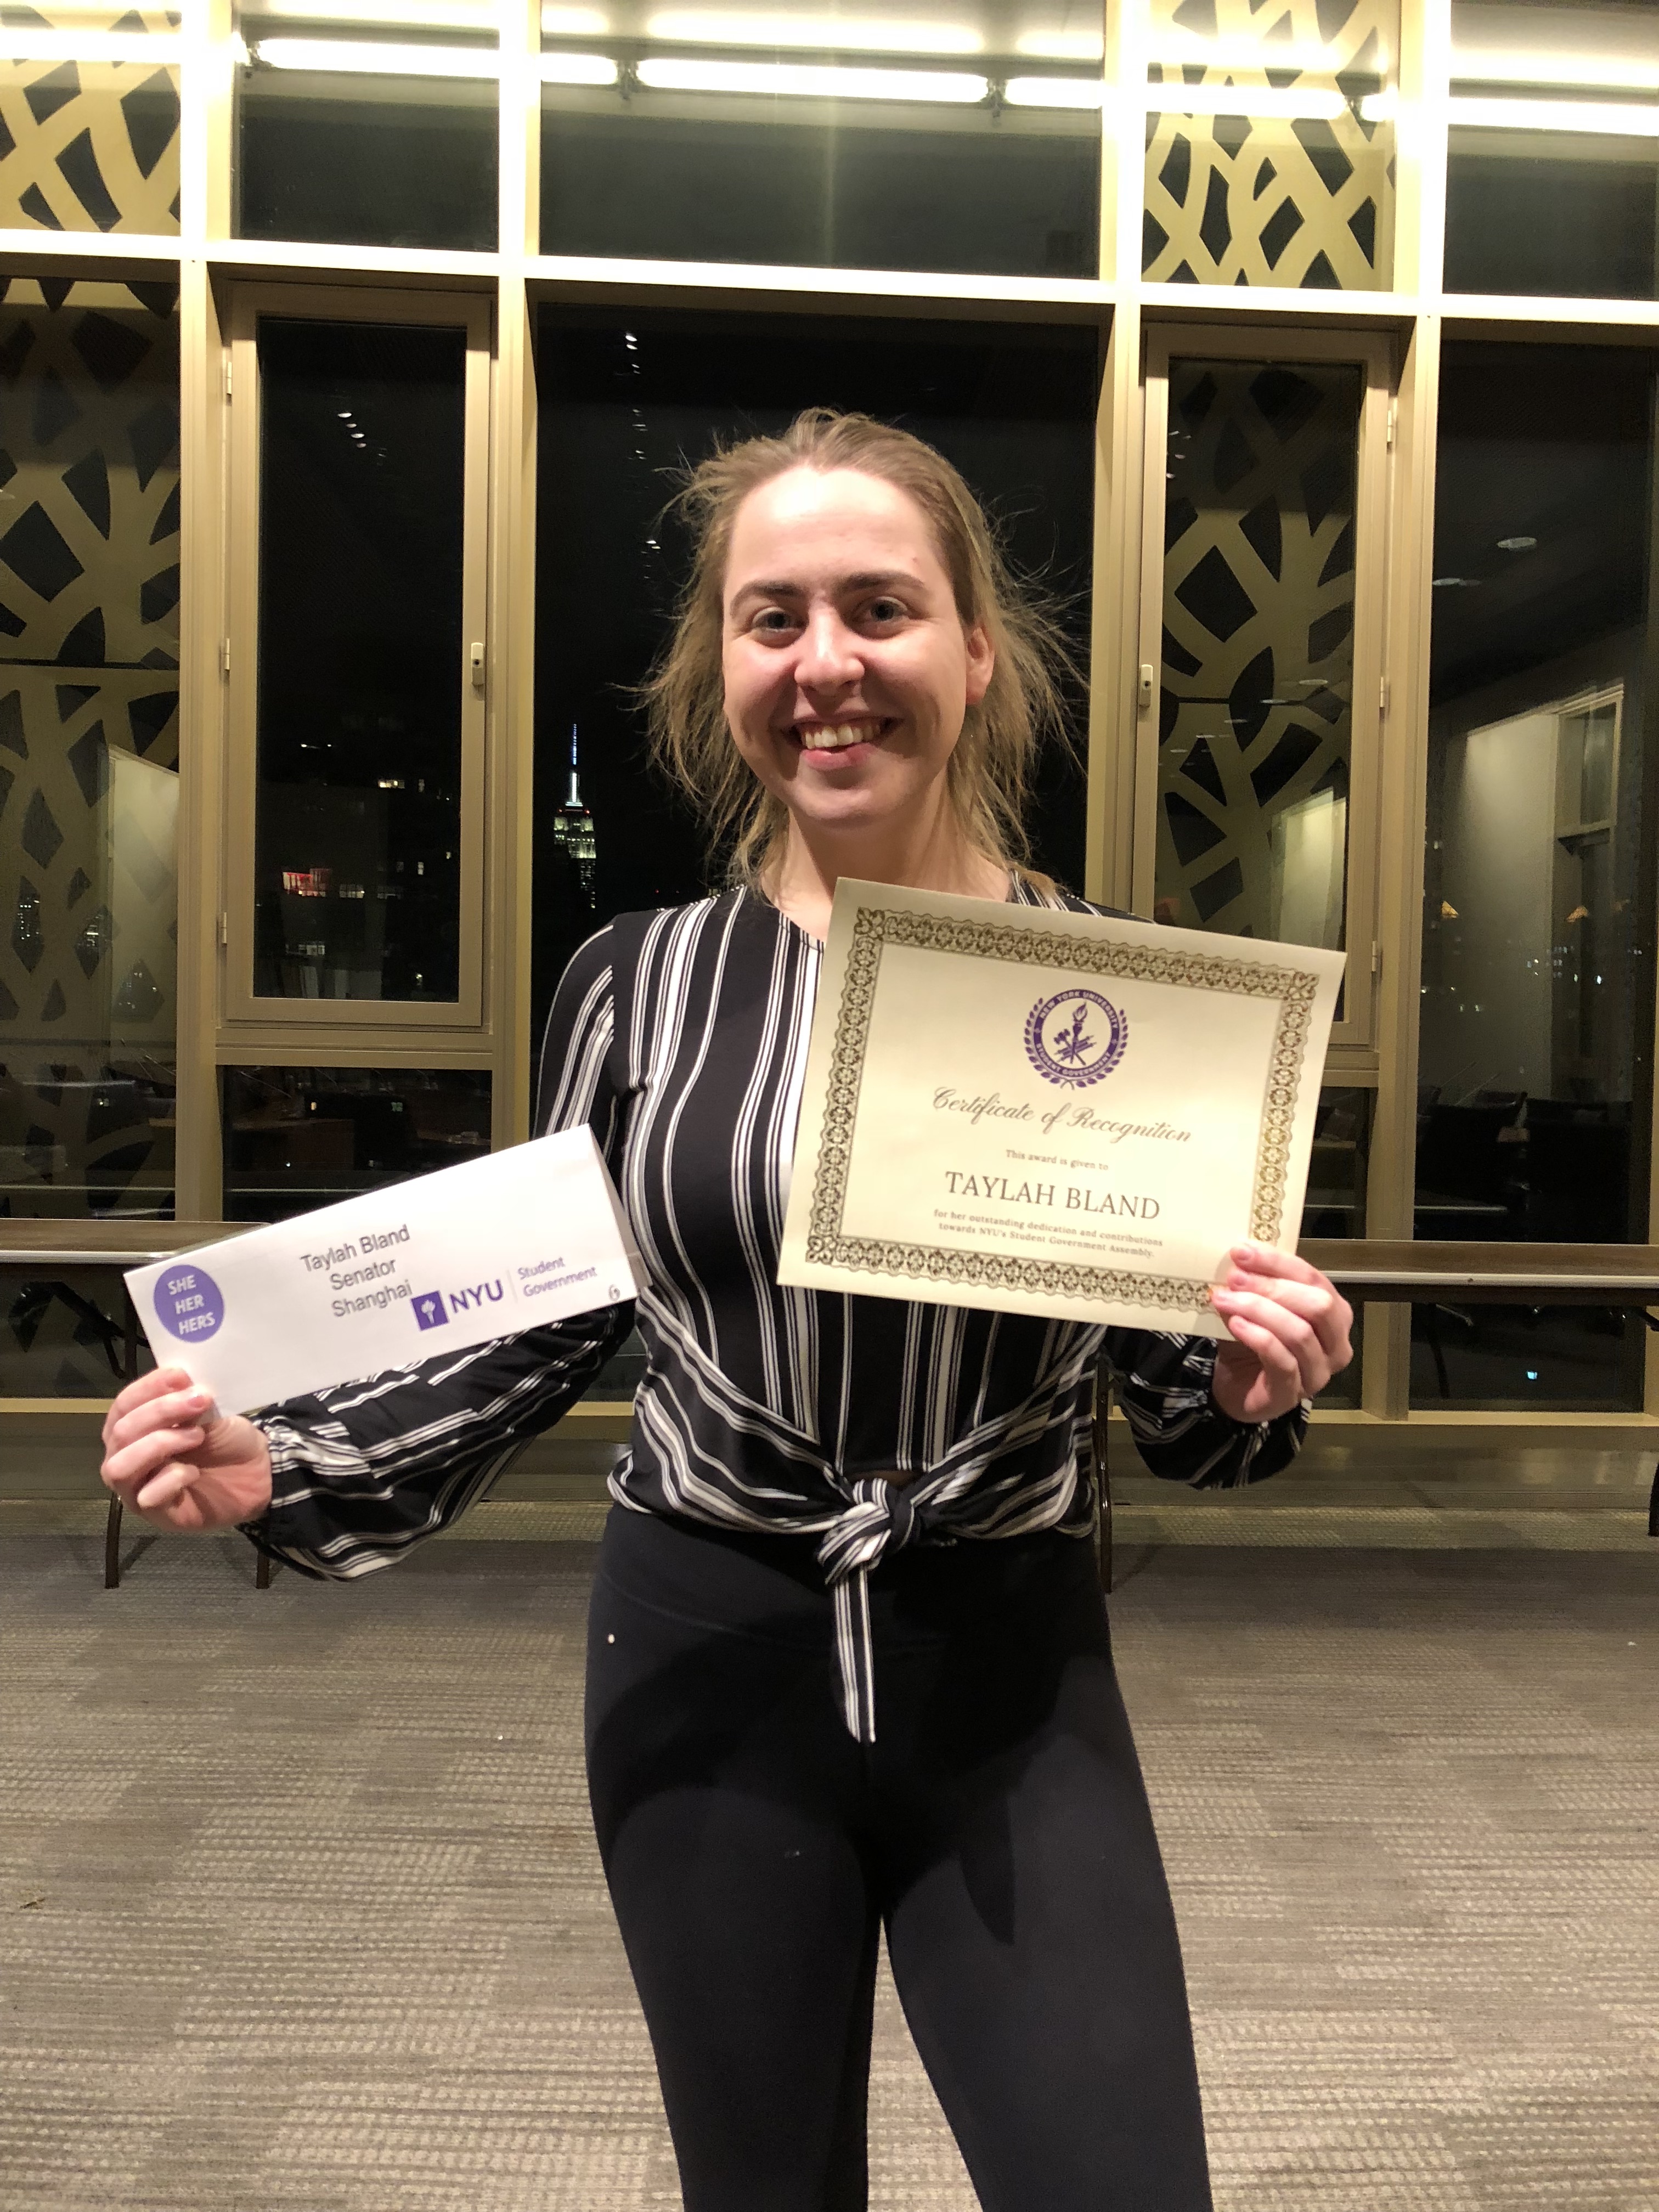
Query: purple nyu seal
{"x": 1075, "y": 1038}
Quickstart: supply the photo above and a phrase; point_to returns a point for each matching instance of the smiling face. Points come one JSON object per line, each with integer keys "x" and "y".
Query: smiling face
{"x": 847, "y": 670}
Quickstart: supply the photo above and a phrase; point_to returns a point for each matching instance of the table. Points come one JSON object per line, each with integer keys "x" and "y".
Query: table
{"x": 126, "y": 1243}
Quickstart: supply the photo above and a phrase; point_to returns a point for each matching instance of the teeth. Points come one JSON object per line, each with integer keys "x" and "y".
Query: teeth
{"x": 836, "y": 740}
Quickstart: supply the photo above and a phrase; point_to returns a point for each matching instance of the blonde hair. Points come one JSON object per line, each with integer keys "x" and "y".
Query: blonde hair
{"x": 988, "y": 780}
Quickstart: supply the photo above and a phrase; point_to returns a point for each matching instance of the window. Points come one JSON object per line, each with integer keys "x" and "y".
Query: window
{"x": 1261, "y": 641}
{"x": 295, "y": 1138}
{"x": 368, "y": 126}
{"x": 868, "y": 140}
{"x": 357, "y": 690}
{"x": 625, "y": 399}
{"x": 90, "y": 120}
{"x": 1553, "y": 172}
{"x": 1270, "y": 145}
{"x": 1537, "y": 1005}
{"x": 89, "y": 747}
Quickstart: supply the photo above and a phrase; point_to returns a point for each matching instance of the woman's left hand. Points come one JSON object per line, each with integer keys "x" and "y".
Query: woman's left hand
{"x": 1290, "y": 1328}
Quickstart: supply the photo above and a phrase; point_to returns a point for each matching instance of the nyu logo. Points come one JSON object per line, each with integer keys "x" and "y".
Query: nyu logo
{"x": 431, "y": 1312}
{"x": 1075, "y": 1038}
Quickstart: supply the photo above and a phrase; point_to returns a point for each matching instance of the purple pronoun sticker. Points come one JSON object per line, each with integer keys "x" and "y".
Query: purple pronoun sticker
{"x": 189, "y": 1304}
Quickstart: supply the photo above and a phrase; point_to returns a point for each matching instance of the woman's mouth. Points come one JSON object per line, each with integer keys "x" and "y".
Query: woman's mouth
{"x": 833, "y": 741}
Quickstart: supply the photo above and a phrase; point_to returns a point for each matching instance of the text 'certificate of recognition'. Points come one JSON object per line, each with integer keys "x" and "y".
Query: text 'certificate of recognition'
{"x": 1050, "y": 1113}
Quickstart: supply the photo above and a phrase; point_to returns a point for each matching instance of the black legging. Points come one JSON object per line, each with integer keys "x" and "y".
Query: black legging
{"x": 997, "y": 1827}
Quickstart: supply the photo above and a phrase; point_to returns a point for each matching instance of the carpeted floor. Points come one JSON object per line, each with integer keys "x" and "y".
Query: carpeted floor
{"x": 302, "y": 1911}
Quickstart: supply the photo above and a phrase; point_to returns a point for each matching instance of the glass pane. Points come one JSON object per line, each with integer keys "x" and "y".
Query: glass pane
{"x": 89, "y": 124}
{"x": 357, "y": 843}
{"x": 1537, "y": 1008}
{"x": 89, "y": 746}
{"x": 1270, "y": 144}
{"x": 1539, "y": 1358}
{"x": 65, "y": 1336}
{"x": 370, "y": 127}
{"x": 1255, "y": 711}
{"x": 296, "y": 1137}
{"x": 1553, "y": 172}
{"x": 624, "y": 401}
{"x": 1336, "y": 1204}
{"x": 966, "y": 138}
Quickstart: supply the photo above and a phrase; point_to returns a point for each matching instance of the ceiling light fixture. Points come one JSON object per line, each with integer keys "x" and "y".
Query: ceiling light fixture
{"x": 1588, "y": 73}
{"x": 404, "y": 15}
{"x": 573, "y": 22}
{"x": 1053, "y": 91}
{"x": 1516, "y": 545}
{"x": 376, "y": 58}
{"x": 867, "y": 35}
{"x": 1604, "y": 118}
{"x": 804, "y": 81}
{"x": 578, "y": 69}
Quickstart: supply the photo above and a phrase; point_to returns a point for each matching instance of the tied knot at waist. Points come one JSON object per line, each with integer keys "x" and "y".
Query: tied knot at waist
{"x": 881, "y": 1518}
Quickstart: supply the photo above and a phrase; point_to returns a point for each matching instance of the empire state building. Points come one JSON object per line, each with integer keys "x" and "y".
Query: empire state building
{"x": 573, "y": 829}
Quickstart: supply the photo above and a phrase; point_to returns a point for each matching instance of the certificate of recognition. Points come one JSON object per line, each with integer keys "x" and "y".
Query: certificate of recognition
{"x": 1049, "y": 1113}
{"x": 408, "y": 1272}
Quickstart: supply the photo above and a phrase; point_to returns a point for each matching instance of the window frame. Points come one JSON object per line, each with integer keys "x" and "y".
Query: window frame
{"x": 1352, "y": 1056}
{"x": 242, "y": 1011}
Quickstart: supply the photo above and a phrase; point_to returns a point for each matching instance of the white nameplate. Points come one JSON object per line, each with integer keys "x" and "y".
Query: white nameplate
{"x": 408, "y": 1272}
{"x": 1050, "y": 1113}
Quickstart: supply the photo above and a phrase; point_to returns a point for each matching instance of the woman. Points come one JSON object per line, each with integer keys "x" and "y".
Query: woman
{"x": 848, "y": 1664}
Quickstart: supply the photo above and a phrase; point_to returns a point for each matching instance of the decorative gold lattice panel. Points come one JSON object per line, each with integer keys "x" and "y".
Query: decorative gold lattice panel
{"x": 88, "y": 744}
{"x": 87, "y": 143}
{"x": 1255, "y": 728}
{"x": 1302, "y": 200}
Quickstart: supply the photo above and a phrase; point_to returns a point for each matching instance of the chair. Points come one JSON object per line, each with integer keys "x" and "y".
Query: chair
{"x": 1099, "y": 1433}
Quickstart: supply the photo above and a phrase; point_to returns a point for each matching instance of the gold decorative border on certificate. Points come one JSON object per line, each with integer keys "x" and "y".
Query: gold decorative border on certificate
{"x": 876, "y": 926}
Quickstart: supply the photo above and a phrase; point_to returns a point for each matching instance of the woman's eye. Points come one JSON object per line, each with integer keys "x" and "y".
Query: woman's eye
{"x": 774, "y": 621}
{"x": 884, "y": 611}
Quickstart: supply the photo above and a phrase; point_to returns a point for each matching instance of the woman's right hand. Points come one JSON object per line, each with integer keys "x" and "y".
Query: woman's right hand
{"x": 170, "y": 1457}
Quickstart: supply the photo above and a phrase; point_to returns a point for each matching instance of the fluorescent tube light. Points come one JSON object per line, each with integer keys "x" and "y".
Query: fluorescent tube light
{"x": 801, "y": 80}
{"x": 405, "y": 14}
{"x": 1060, "y": 45}
{"x": 573, "y": 22}
{"x": 375, "y": 57}
{"x": 1262, "y": 103}
{"x": 1586, "y": 72}
{"x": 869, "y": 34}
{"x": 1053, "y": 91}
{"x": 578, "y": 69}
{"x": 88, "y": 47}
{"x": 1611, "y": 119}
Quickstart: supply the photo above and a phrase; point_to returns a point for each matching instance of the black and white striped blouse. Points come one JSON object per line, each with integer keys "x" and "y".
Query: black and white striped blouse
{"x": 681, "y": 1038}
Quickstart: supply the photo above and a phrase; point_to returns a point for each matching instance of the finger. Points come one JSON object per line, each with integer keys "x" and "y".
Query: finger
{"x": 1319, "y": 1303}
{"x": 1276, "y": 1386}
{"x": 155, "y": 1384}
{"x": 190, "y": 1407}
{"x": 1281, "y": 1340}
{"x": 125, "y": 1472}
{"x": 166, "y": 1486}
{"x": 1268, "y": 1260}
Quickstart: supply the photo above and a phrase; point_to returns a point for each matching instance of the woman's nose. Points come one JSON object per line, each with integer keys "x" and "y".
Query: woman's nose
{"x": 828, "y": 655}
